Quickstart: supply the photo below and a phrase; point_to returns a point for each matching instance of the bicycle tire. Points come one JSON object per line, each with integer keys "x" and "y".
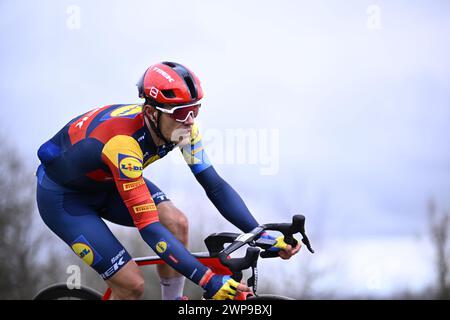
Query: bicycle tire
{"x": 269, "y": 297}
{"x": 62, "y": 292}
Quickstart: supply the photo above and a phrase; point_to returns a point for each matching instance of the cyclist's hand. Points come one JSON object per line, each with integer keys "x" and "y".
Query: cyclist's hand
{"x": 285, "y": 251}
{"x": 288, "y": 250}
{"x": 222, "y": 287}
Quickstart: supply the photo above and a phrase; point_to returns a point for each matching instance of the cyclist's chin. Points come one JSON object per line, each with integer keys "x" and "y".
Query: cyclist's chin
{"x": 183, "y": 140}
{"x": 181, "y": 136}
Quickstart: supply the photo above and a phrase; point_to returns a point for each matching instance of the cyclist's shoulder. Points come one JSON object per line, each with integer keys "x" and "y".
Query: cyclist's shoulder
{"x": 120, "y": 122}
{"x": 116, "y": 114}
{"x": 122, "y": 110}
{"x": 98, "y": 115}
{"x": 114, "y": 126}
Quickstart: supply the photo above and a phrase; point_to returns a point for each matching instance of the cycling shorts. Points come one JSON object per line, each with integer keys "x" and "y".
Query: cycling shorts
{"x": 76, "y": 218}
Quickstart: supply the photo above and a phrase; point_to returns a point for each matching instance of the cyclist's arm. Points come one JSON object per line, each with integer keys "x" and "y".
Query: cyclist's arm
{"x": 123, "y": 156}
{"x": 221, "y": 194}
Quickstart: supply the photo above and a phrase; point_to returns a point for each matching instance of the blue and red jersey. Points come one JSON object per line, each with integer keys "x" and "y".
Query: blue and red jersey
{"x": 109, "y": 147}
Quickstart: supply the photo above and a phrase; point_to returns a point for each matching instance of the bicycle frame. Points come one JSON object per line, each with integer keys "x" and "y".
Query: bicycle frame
{"x": 221, "y": 263}
{"x": 203, "y": 257}
{"x": 218, "y": 259}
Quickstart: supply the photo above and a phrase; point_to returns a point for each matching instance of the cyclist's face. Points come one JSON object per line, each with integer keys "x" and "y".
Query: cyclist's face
{"x": 179, "y": 132}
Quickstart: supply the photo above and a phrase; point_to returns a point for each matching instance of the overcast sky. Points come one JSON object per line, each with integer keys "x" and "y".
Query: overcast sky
{"x": 345, "y": 104}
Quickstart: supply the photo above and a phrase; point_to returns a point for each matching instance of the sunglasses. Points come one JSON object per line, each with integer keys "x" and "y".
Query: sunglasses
{"x": 182, "y": 113}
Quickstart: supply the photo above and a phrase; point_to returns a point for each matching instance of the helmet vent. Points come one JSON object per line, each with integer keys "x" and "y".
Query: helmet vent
{"x": 168, "y": 93}
{"x": 191, "y": 87}
{"x": 170, "y": 64}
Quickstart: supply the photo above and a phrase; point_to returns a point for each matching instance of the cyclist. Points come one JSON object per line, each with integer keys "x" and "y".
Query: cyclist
{"x": 92, "y": 169}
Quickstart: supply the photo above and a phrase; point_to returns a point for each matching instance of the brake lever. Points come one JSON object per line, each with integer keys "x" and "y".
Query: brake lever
{"x": 306, "y": 242}
{"x": 288, "y": 231}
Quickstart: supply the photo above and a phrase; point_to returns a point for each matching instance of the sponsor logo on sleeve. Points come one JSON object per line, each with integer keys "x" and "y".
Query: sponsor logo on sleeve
{"x": 147, "y": 207}
{"x": 161, "y": 196}
{"x": 161, "y": 246}
{"x": 133, "y": 185}
{"x": 129, "y": 167}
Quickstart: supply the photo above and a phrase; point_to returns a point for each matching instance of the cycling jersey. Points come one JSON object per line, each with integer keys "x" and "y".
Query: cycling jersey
{"x": 97, "y": 159}
{"x": 109, "y": 145}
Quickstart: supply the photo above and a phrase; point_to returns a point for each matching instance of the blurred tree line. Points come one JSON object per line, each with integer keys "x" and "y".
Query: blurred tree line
{"x": 439, "y": 231}
{"x": 23, "y": 269}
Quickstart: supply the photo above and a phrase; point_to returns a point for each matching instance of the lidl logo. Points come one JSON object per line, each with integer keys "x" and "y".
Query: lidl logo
{"x": 85, "y": 251}
{"x": 127, "y": 111}
{"x": 161, "y": 247}
{"x": 129, "y": 167}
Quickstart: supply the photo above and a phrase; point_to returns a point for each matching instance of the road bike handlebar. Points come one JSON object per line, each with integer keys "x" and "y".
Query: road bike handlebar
{"x": 288, "y": 230}
{"x": 252, "y": 238}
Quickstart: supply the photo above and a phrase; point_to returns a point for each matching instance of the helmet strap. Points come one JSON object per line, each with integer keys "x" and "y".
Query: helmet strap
{"x": 156, "y": 129}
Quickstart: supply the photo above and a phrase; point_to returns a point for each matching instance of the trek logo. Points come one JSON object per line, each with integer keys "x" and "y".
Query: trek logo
{"x": 116, "y": 266}
{"x": 141, "y": 138}
{"x": 80, "y": 124}
{"x": 129, "y": 167}
{"x": 154, "y": 92}
{"x": 164, "y": 74}
{"x": 159, "y": 195}
{"x": 83, "y": 120}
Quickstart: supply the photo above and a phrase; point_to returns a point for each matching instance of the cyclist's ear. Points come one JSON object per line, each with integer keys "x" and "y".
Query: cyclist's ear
{"x": 150, "y": 111}
{"x": 146, "y": 108}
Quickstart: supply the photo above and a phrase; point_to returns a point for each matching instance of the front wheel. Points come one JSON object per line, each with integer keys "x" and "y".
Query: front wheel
{"x": 62, "y": 292}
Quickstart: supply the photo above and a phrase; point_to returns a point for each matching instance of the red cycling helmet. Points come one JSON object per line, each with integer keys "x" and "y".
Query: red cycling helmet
{"x": 169, "y": 83}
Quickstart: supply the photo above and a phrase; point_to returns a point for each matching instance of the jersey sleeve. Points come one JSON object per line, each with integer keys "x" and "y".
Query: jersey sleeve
{"x": 123, "y": 155}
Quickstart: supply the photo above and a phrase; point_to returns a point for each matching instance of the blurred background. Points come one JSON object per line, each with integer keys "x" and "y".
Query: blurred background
{"x": 337, "y": 110}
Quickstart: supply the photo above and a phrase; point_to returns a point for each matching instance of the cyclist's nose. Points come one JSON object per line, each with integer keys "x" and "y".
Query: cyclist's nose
{"x": 190, "y": 120}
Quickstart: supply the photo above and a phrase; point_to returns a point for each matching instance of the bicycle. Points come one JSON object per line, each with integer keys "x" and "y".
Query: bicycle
{"x": 218, "y": 259}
